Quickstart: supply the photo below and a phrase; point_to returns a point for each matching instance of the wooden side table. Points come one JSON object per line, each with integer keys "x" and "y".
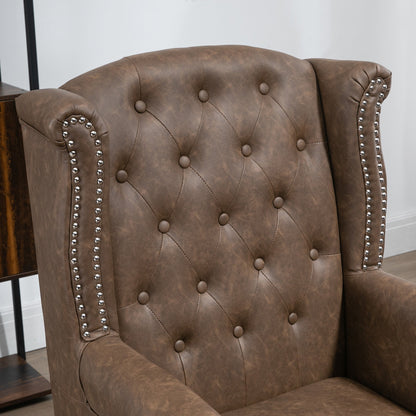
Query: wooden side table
{"x": 19, "y": 382}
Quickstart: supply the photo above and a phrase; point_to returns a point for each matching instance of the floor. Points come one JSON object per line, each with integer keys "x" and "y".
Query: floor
{"x": 403, "y": 266}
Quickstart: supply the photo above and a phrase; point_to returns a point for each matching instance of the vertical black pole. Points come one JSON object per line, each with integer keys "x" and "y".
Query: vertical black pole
{"x": 18, "y": 319}
{"x": 34, "y": 85}
{"x": 31, "y": 45}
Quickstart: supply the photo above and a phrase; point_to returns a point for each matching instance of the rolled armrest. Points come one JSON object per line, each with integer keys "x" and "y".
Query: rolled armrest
{"x": 381, "y": 334}
{"x": 117, "y": 380}
{"x": 44, "y": 110}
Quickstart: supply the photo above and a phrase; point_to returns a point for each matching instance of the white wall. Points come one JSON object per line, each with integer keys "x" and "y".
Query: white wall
{"x": 74, "y": 36}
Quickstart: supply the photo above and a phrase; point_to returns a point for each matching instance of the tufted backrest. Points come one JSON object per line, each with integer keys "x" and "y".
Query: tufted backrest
{"x": 224, "y": 234}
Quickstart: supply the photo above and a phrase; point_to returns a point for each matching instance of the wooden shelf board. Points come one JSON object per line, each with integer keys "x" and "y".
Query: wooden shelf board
{"x": 20, "y": 382}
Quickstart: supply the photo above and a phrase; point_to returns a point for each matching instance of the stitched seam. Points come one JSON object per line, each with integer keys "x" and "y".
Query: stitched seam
{"x": 244, "y": 160}
{"x": 138, "y": 132}
{"x": 170, "y": 337}
{"x": 219, "y": 305}
{"x": 193, "y": 325}
{"x": 208, "y": 187}
{"x": 368, "y": 76}
{"x": 218, "y": 243}
{"x": 164, "y": 126}
{"x": 308, "y": 285}
{"x": 287, "y": 115}
{"x": 199, "y": 128}
{"x": 183, "y": 252}
{"x": 298, "y": 355}
{"x": 254, "y": 295}
{"x": 179, "y": 194}
{"x": 294, "y": 179}
{"x": 245, "y": 372}
{"x": 159, "y": 321}
{"x": 257, "y": 119}
{"x": 264, "y": 173}
{"x": 127, "y": 58}
{"x": 277, "y": 290}
{"x": 358, "y": 82}
{"x": 134, "y": 146}
{"x": 309, "y": 243}
{"x": 228, "y": 121}
{"x": 157, "y": 260}
{"x": 232, "y": 202}
{"x": 242, "y": 239}
{"x": 276, "y": 230}
{"x": 144, "y": 199}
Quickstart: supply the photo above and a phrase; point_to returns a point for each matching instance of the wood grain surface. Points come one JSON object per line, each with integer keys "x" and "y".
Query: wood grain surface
{"x": 17, "y": 249}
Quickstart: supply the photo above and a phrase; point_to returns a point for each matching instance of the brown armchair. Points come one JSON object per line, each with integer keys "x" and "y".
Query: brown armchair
{"x": 209, "y": 226}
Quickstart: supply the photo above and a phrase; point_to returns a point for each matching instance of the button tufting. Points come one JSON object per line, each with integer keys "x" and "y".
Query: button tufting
{"x": 293, "y": 317}
{"x": 300, "y": 144}
{"x": 202, "y": 286}
{"x": 143, "y": 298}
{"x": 259, "y": 263}
{"x": 179, "y": 345}
{"x": 264, "y": 88}
{"x": 140, "y": 106}
{"x": 164, "y": 226}
{"x": 121, "y": 176}
{"x": 184, "y": 162}
{"x": 278, "y": 202}
{"x": 314, "y": 254}
{"x": 223, "y": 218}
{"x": 203, "y": 96}
{"x": 238, "y": 331}
{"x": 246, "y": 150}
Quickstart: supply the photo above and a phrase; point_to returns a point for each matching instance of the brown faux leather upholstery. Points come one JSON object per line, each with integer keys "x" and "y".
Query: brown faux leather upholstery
{"x": 188, "y": 241}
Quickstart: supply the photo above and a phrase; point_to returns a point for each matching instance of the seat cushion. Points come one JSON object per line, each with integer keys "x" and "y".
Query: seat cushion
{"x": 330, "y": 397}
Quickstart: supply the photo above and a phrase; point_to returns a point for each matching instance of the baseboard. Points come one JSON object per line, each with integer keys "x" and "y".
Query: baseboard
{"x": 33, "y": 329}
{"x": 400, "y": 234}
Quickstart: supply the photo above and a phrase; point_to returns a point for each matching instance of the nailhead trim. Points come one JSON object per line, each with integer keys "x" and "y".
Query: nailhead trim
{"x": 76, "y": 210}
{"x": 364, "y": 143}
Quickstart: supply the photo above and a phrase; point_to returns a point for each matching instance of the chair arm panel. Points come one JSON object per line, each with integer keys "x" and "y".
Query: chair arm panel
{"x": 381, "y": 334}
{"x": 45, "y": 110}
{"x": 42, "y": 115}
{"x": 351, "y": 94}
{"x": 117, "y": 380}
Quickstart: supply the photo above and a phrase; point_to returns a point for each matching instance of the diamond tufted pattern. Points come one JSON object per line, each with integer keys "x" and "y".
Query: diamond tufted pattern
{"x": 188, "y": 243}
{"x": 223, "y": 218}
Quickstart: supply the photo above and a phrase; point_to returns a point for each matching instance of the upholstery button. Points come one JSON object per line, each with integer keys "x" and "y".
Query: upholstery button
{"x": 179, "y": 345}
{"x": 259, "y": 263}
{"x": 278, "y": 202}
{"x": 264, "y": 88}
{"x": 223, "y": 218}
{"x": 140, "y": 106}
{"x": 314, "y": 254}
{"x": 203, "y": 96}
{"x": 143, "y": 298}
{"x": 184, "y": 162}
{"x": 164, "y": 226}
{"x": 238, "y": 331}
{"x": 300, "y": 144}
{"x": 202, "y": 286}
{"x": 293, "y": 318}
{"x": 121, "y": 176}
{"x": 246, "y": 150}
